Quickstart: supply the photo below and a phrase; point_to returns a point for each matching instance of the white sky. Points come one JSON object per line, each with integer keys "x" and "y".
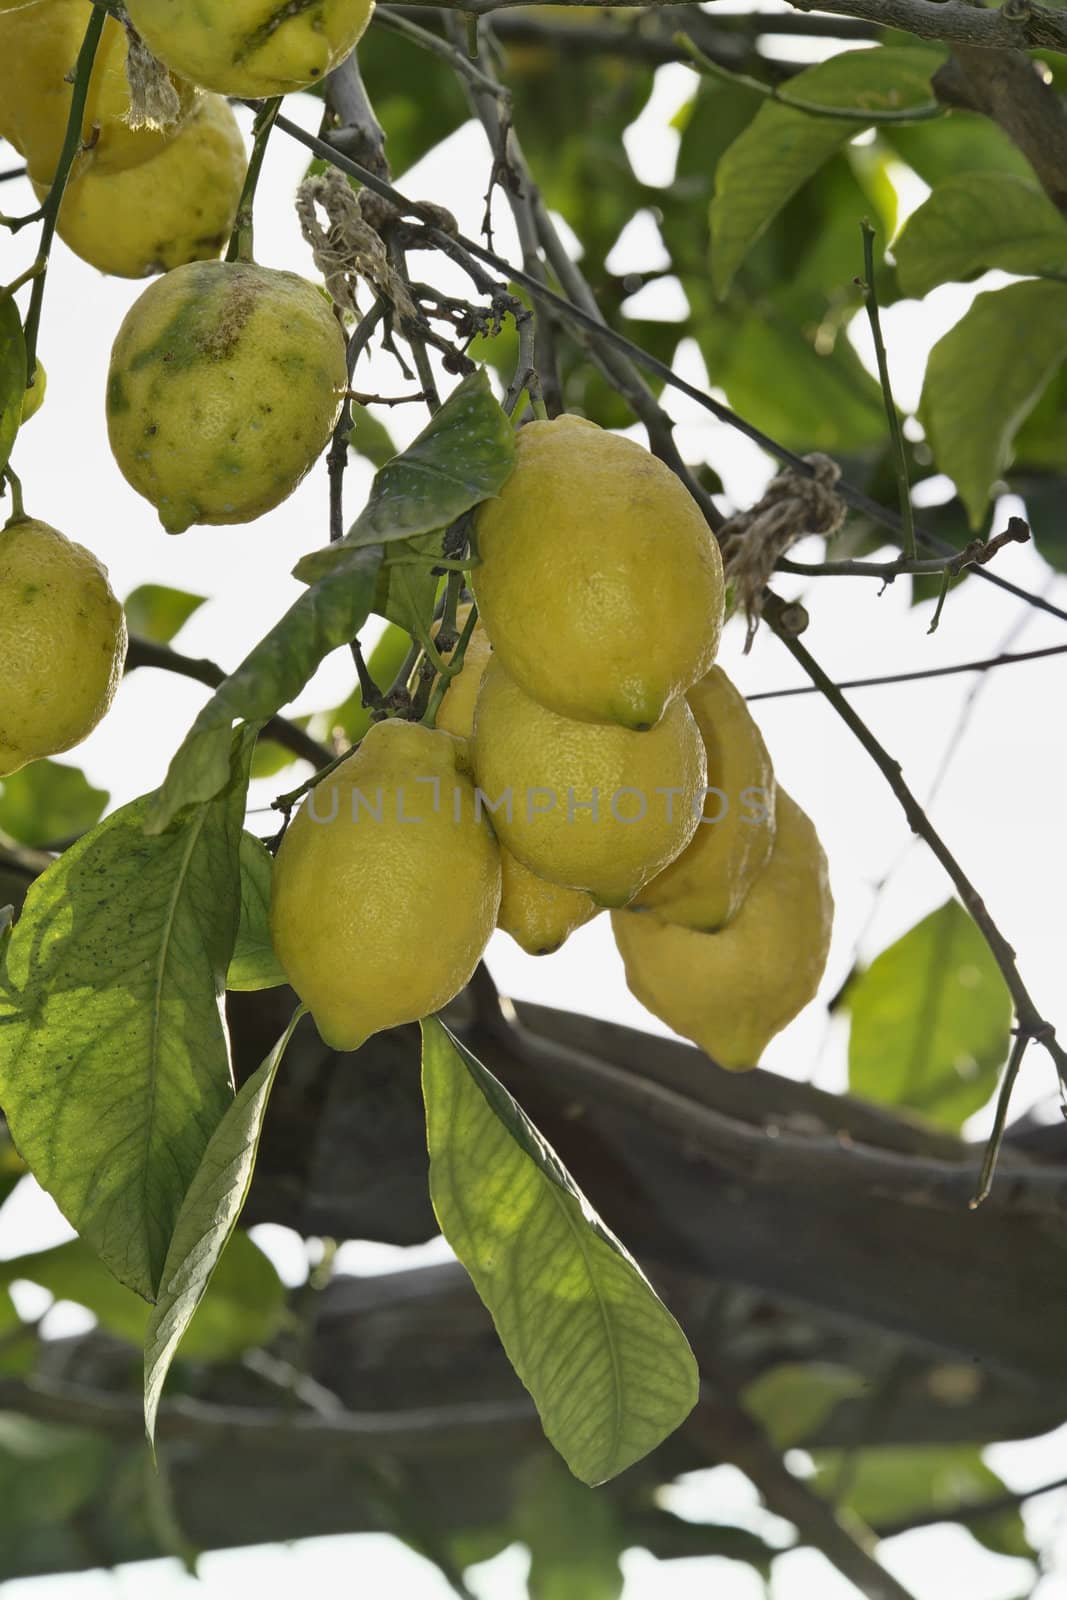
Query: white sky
{"x": 1000, "y": 806}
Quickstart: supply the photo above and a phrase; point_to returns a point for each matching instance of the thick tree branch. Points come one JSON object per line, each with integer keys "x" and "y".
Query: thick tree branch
{"x": 1007, "y": 86}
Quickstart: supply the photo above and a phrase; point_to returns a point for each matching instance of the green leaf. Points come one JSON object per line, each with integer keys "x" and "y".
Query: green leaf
{"x": 461, "y": 457}
{"x": 206, "y": 1221}
{"x": 114, "y": 1066}
{"x": 12, "y": 376}
{"x": 895, "y": 1482}
{"x": 984, "y": 376}
{"x": 243, "y": 1307}
{"x": 47, "y": 801}
{"x": 270, "y": 758}
{"x": 963, "y": 141}
{"x": 407, "y": 591}
{"x": 793, "y": 1400}
{"x": 370, "y": 438}
{"x": 781, "y": 148}
{"x": 254, "y": 964}
{"x": 158, "y": 613}
{"x": 976, "y": 221}
{"x": 46, "y": 1471}
{"x": 575, "y": 1536}
{"x": 328, "y": 616}
{"x": 608, "y": 1367}
{"x": 931, "y": 1021}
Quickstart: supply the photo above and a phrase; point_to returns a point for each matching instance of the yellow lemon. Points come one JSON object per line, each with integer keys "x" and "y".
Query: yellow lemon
{"x": 39, "y": 47}
{"x": 598, "y": 580}
{"x": 455, "y": 714}
{"x": 731, "y": 992}
{"x": 707, "y": 884}
{"x": 590, "y": 806}
{"x": 539, "y": 916}
{"x": 251, "y": 47}
{"x": 176, "y": 208}
{"x": 386, "y": 885}
{"x": 226, "y": 380}
{"x": 33, "y": 399}
{"x": 62, "y": 643}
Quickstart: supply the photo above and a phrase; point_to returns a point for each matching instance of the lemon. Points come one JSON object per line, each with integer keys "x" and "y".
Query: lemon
{"x": 731, "y": 992}
{"x": 226, "y": 380}
{"x": 39, "y": 47}
{"x": 386, "y": 885}
{"x": 599, "y": 581}
{"x": 62, "y": 643}
{"x": 455, "y": 714}
{"x": 176, "y": 208}
{"x": 251, "y": 47}
{"x": 33, "y": 399}
{"x": 707, "y": 884}
{"x": 586, "y": 805}
{"x": 539, "y": 916}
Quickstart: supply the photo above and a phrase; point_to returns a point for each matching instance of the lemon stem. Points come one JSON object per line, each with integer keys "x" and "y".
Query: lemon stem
{"x": 15, "y": 485}
{"x": 241, "y": 239}
{"x": 50, "y": 209}
{"x": 448, "y": 670}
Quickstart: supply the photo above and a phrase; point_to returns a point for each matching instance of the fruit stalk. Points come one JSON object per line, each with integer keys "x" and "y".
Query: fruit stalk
{"x": 241, "y": 240}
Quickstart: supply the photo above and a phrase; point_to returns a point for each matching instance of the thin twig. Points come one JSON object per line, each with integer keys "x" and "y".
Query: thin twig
{"x": 900, "y": 461}
{"x": 1030, "y": 1021}
{"x": 974, "y": 554}
{"x": 1005, "y": 659}
{"x": 1000, "y": 1119}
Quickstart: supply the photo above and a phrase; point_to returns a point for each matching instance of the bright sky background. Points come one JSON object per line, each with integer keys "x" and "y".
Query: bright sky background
{"x": 1000, "y": 803}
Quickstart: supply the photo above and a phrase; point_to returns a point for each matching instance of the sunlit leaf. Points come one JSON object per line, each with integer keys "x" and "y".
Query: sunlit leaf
{"x": 979, "y": 220}
{"x": 254, "y": 964}
{"x": 158, "y": 613}
{"x": 791, "y": 1401}
{"x": 608, "y": 1367}
{"x": 575, "y": 1536}
{"x": 47, "y": 802}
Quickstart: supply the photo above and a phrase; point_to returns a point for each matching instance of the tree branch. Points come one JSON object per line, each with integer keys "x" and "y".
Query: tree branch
{"x": 146, "y": 653}
{"x": 1007, "y": 87}
{"x": 1006, "y": 659}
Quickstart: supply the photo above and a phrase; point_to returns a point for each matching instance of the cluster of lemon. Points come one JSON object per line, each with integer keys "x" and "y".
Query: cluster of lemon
{"x": 158, "y": 178}
{"x": 587, "y": 754}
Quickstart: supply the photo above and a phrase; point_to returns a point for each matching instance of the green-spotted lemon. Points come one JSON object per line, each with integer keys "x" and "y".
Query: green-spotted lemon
{"x": 587, "y": 805}
{"x": 39, "y": 47}
{"x": 732, "y": 991}
{"x": 62, "y": 643}
{"x": 176, "y": 208}
{"x": 707, "y": 884}
{"x": 226, "y": 380}
{"x": 386, "y": 886}
{"x": 598, "y": 578}
{"x": 251, "y": 47}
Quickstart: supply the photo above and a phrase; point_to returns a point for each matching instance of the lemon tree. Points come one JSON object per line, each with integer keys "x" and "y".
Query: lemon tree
{"x": 266, "y": 989}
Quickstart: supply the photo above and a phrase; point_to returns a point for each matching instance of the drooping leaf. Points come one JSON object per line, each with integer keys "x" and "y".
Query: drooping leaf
{"x": 114, "y": 1066}
{"x": 1045, "y": 495}
{"x": 328, "y": 616}
{"x": 206, "y": 1221}
{"x": 12, "y": 376}
{"x": 370, "y": 438}
{"x": 407, "y": 586}
{"x": 243, "y": 1306}
{"x": 975, "y": 221}
{"x": 47, "y": 802}
{"x": 158, "y": 613}
{"x": 931, "y": 1020}
{"x": 575, "y": 1536}
{"x": 781, "y": 147}
{"x": 792, "y": 1400}
{"x": 984, "y": 376}
{"x": 893, "y": 1482}
{"x": 254, "y": 964}
{"x": 608, "y": 1367}
{"x": 461, "y": 457}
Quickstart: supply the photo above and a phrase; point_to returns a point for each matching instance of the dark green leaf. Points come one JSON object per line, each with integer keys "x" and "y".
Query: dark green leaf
{"x": 254, "y": 964}
{"x": 407, "y": 588}
{"x": 114, "y": 1068}
{"x": 931, "y": 1020}
{"x": 780, "y": 148}
{"x": 270, "y": 758}
{"x": 461, "y": 457}
{"x": 329, "y": 615}
{"x": 159, "y": 613}
{"x": 1045, "y": 495}
{"x": 671, "y": 1538}
{"x": 608, "y": 1367}
{"x": 984, "y": 376}
{"x": 12, "y": 376}
{"x": 961, "y": 142}
{"x": 575, "y": 1536}
{"x": 976, "y": 221}
{"x": 47, "y": 801}
{"x": 895, "y": 1482}
{"x": 206, "y": 1221}
{"x": 370, "y": 438}
{"x": 243, "y": 1306}
{"x": 46, "y": 1471}
{"x": 793, "y": 1400}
